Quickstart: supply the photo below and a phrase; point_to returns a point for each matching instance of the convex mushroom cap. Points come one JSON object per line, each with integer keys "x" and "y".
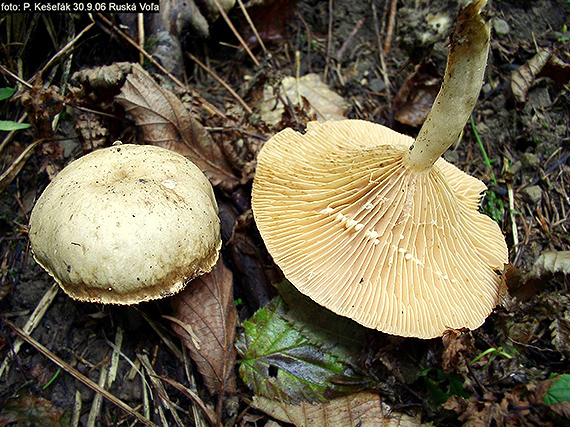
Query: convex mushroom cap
{"x": 126, "y": 224}
{"x": 353, "y": 228}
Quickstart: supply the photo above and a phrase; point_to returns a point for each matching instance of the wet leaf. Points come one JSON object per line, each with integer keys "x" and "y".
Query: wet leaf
{"x": 205, "y": 319}
{"x": 361, "y": 409}
{"x": 324, "y": 104}
{"x": 280, "y": 362}
{"x": 524, "y": 76}
{"x": 165, "y": 122}
{"x": 29, "y": 410}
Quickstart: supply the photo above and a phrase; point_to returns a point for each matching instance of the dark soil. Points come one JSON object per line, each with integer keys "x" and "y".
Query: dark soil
{"x": 527, "y": 142}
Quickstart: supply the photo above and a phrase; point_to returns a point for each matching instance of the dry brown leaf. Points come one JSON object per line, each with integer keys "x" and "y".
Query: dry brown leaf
{"x": 205, "y": 319}
{"x": 416, "y": 96}
{"x": 324, "y": 104}
{"x": 524, "y": 76}
{"x": 361, "y": 409}
{"x": 165, "y": 122}
{"x": 550, "y": 263}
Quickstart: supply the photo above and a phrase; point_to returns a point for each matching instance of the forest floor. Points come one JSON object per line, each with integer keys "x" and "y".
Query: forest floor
{"x": 375, "y": 61}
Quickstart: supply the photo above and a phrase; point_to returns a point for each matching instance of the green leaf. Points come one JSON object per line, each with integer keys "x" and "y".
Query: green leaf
{"x": 559, "y": 391}
{"x": 6, "y": 92}
{"x": 280, "y": 362}
{"x": 332, "y": 333}
{"x": 9, "y": 125}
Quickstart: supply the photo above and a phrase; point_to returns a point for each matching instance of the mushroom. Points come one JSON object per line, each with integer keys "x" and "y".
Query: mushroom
{"x": 378, "y": 227}
{"x": 126, "y": 224}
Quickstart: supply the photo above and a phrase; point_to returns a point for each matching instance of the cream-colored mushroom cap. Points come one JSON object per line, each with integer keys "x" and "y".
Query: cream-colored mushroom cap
{"x": 359, "y": 232}
{"x": 126, "y": 224}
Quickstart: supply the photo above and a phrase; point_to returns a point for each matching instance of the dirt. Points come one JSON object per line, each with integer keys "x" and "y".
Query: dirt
{"x": 527, "y": 143}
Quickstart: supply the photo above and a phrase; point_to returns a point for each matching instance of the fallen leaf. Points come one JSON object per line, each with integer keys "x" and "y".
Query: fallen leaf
{"x": 524, "y": 76}
{"x": 205, "y": 319}
{"x": 280, "y": 362}
{"x": 165, "y": 122}
{"x": 107, "y": 76}
{"x": 415, "y": 97}
{"x": 332, "y": 333}
{"x": 29, "y": 410}
{"x": 362, "y": 409}
{"x": 324, "y": 103}
{"x": 550, "y": 263}
{"x": 524, "y": 285}
{"x": 559, "y": 391}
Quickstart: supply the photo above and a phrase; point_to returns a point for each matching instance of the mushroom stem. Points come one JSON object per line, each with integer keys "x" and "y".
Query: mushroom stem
{"x": 459, "y": 91}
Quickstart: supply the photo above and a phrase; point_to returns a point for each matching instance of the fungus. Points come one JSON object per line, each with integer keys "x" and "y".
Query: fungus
{"x": 126, "y": 224}
{"x": 378, "y": 227}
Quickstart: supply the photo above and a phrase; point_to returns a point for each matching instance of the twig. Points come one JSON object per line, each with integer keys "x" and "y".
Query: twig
{"x": 383, "y": 69}
{"x": 340, "y": 52}
{"x": 236, "y": 33}
{"x": 32, "y": 322}
{"x": 11, "y": 134}
{"x": 140, "y": 26}
{"x": 64, "y": 50}
{"x": 14, "y": 76}
{"x": 221, "y": 81}
{"x": 165, "y": 399}
{"x": 390, "y": 29}
{"x": 206, "y": 410}
{"x": 205, "y": 104}
{"x": 97, "y": 400}
{"x": 199, "y": 420}
{"x": 329, "y": 40}
{"x": 76, "y": 414}
{"x": 78, "y": 376}
{"x": 250, "y": 22}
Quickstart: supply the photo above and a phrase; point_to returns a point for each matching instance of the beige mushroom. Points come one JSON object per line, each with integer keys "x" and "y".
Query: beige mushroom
{"x": 376, "y": 226}
{"x": 126, "y": 224}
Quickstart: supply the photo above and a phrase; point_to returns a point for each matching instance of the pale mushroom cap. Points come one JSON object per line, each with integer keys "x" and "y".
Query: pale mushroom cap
{"x": 351, "y": 227}
{"x": 126, "y": 224}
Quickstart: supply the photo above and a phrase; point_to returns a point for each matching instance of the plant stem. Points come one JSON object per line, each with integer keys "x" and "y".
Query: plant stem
{"x": 459, "y": 91}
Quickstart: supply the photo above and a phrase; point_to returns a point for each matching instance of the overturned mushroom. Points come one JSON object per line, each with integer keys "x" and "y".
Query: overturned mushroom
{"x": 376, "y": 226}
{"x": 126, "y": 224}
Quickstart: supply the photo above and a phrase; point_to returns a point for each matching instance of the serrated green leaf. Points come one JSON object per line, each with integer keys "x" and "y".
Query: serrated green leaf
{"x": 279, "y": 362}
{"x": 9, "y": 125}
{"x": 559, "y": 391}
{"x": 6, "y": 92}
{"x": 332, "y": 333}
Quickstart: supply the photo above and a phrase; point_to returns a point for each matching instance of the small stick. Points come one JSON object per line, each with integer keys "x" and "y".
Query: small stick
{"x": 383, "y": 69}
{"x": 140, "y": 24}
{"x": 206, "y": 410}
{"x": 76, "y": 414}
{"x": 340, "y": 52}
{"x": 166, "y": 401}
{"x": 241, "y": 40}
{"x": 514, "y": 229}
{"x": 390, "y": 28}
{"x": 205, "y": 104}
{"x": 221, "y": 81}
{"x": 329, "y": 40}
{"x": 95, "y": 410}
{"x": 32, "y": 322}
{"x": 64, "y": 50}
{"x": 78, "y": 376}
{"x": 250, "y": 22}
